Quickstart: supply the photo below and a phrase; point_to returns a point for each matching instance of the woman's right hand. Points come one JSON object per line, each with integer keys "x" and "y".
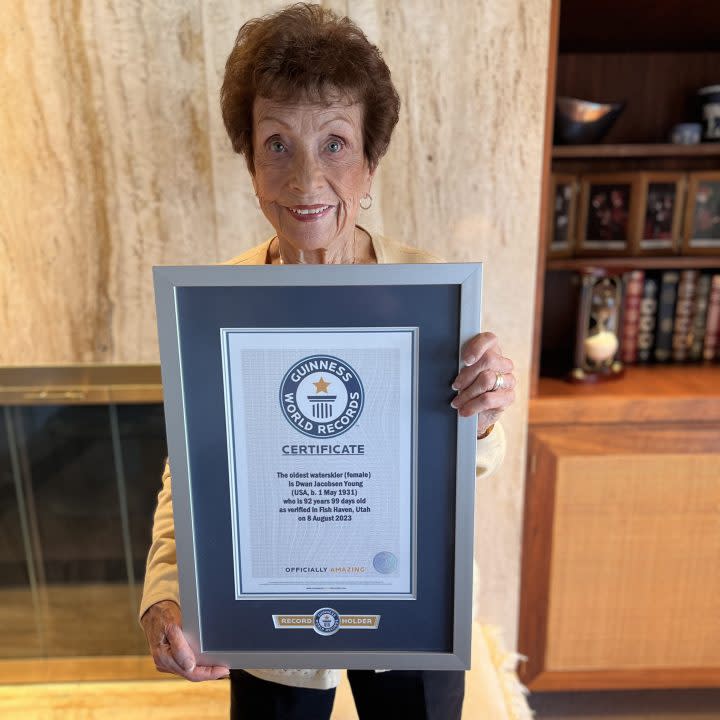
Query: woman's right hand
{"x": 171, "y": 652}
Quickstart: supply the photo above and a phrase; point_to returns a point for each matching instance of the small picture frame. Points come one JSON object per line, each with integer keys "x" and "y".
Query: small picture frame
{"x": 658, "y": 224}
{"x": 561, "y": 215}
{"x": 702, "y": 219}
{"x": 607, "y": 213}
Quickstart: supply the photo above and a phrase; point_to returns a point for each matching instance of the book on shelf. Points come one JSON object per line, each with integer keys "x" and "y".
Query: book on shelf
{"x": 666, "y": 315}
{"x": 712, "y": 323}
{"x": 678, "y": 319}
{"x": 699, "y": 317}
{"x": 684, "y": 305}
{"x": 633, "y": 286}
{"x": 646, "y": 322}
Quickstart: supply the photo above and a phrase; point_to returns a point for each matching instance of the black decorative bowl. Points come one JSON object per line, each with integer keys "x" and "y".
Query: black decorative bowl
{"x": 581, "y": 122}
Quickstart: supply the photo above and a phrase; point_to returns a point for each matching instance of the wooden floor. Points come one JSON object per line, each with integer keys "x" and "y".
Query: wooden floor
{"x": 150, "y": 700}
{"x": 177, "y": 700}
{"x": 161, "y": 699}
{"x": 37, "y": 690}
{"x": 146, "y": 700}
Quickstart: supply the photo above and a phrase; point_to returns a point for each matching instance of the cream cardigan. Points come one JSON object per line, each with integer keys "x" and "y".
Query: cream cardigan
{"x": 161, "y": 575}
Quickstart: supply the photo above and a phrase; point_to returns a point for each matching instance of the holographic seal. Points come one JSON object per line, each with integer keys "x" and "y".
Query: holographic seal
{"x": 385, "y": 562}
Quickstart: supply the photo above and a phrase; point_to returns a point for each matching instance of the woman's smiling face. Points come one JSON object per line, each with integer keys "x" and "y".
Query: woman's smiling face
{"x": 310, "y": 170}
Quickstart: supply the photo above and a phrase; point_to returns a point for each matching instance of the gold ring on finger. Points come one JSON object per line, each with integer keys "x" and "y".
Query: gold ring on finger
{"x": 499, "y": 382}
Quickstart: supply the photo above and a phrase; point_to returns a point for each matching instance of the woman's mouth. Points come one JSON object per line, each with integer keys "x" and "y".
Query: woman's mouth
{"x": 310, "y": 213}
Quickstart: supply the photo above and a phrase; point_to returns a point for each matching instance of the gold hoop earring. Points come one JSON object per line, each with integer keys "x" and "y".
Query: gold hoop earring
{"x": 368, "y": 204}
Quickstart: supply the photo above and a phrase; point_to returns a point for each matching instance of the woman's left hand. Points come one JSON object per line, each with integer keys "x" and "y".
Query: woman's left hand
{"x": 486, "y": 385}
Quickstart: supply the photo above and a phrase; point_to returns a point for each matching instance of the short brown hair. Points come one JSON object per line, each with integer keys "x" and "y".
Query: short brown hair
{"x": 307, "y": 52}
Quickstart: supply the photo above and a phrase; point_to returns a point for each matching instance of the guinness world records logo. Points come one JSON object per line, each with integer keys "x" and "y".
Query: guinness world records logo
{"x": 321, "y": 396}
{"x": 326, "y": 621}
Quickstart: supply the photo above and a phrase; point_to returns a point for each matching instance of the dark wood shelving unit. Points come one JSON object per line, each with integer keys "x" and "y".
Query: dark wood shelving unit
{"x": 635, "y": 150}
{"x": 620, "y": 474}
{"x": 673, "y": 262}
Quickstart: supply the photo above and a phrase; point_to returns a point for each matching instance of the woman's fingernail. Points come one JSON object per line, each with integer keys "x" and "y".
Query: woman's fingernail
{"x": 454, "y": 387}
{"x": 454, "y": 403}
{"x": 470, "y": 361}
{"x": 188, "y": 665}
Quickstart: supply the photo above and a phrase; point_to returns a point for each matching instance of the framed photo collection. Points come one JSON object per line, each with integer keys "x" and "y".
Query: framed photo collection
{"x": 633, "y": 213}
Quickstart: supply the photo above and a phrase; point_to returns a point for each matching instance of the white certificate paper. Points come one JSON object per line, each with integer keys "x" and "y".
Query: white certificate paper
{"x": 321, "y": 428}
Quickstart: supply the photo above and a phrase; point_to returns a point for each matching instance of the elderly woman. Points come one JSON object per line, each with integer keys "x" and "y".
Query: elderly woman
{"x": 308, "y": 101}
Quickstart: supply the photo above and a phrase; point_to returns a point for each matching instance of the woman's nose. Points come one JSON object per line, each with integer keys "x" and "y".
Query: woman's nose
{"x": 307, "y": 175}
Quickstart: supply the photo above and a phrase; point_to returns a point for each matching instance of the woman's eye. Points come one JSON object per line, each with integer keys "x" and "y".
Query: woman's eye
{"x": 335, "y": 146}
{"x": 276, "y": 146}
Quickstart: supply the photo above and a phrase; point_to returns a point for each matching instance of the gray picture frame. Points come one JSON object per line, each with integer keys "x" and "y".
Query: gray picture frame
{"x": 168, "y": 281}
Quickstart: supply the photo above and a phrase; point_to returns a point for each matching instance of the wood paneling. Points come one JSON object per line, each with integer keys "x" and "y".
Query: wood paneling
{"x": 547, "y": 189}
{"x": 618, "y": 25}
{"x": 537, "y": 547}
{"x": 659, "y": 88}
{"x": 621, "y": 551}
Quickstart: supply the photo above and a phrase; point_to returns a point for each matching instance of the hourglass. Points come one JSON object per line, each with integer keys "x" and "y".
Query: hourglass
{"x": 596, "y": 342}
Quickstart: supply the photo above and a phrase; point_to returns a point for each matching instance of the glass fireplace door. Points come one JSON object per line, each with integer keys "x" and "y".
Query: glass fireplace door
{"x": 78, "y": 487}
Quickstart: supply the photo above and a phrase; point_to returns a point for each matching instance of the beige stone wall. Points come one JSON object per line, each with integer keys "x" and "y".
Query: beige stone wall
{"x": 113, "y": 159}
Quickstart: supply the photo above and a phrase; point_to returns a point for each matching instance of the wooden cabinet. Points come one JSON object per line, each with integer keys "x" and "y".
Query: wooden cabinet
{"x": 620, "y": 584}
{"x": 622, "y": 557}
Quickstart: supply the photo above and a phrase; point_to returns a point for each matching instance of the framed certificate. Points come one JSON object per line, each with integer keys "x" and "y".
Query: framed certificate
{"x": 323, "y": 487}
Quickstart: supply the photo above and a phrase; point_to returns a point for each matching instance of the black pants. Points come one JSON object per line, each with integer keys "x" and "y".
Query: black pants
{"x": 410, "y": 695}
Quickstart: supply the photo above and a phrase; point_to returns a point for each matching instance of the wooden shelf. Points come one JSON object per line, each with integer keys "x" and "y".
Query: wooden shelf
{"x": 638, "y": 26}
{"x": 646, "y": 262}
{"x": 659, "y": 393}
{"x": 635, "y": 150}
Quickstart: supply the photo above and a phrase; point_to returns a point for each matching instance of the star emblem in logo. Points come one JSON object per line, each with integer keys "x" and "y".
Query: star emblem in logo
{"x": 321, "y": 385}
